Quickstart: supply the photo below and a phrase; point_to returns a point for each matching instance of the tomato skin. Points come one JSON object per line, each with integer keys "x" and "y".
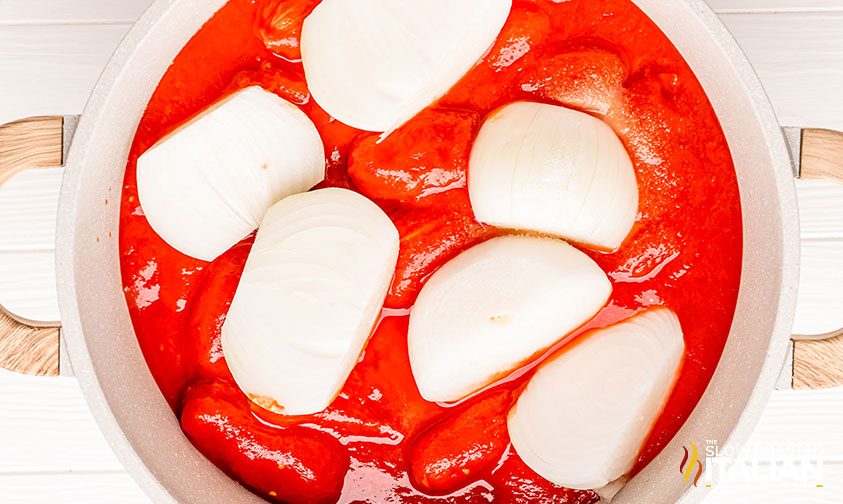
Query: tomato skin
{"x": 422, "y": 163}
{"x": 285, "y": 81}
{"x": 515, "y": 482}
{"x": 587, "y": 79}
{"x": 516, "y": 49}
{"x": 209, "y": 307}
{"x": 427, "y": 242}
{"x": 294, "y": 464}
{"x": 460, "y": 448}
{"x": 279, "y": 25}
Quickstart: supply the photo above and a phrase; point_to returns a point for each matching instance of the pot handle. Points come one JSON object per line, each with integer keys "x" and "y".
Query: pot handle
{"x": 818, "y": 359}
{"x": 36, "y": 143}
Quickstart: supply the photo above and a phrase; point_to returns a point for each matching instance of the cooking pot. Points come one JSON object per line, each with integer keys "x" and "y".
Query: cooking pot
{"x": 144, "y": 433}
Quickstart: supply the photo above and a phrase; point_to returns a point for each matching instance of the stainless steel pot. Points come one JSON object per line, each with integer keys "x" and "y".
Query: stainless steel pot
{"x": 142, "y": 429}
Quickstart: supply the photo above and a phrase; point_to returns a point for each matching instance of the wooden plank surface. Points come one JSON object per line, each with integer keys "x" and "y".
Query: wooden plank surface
{"x": 17, "y": 12}
{"x": 51, "y": 52}
{"x": 799, "y": 57}
{"x": 821, "y": 218}
{"x": 51, "y": 69}
{"x": 72, "y": 487}
{"x": 757, "y": 6}
{"x": 46, "y": 427}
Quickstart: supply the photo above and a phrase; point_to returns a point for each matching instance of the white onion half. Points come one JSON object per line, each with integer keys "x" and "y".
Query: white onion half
{"x": 585, "y": 414}
{"x": 206, "y": 186}
{"x": 310, "y": 294}
{"x": 374, "y": 64}
{"x": 553, "y": 170}
{"x": 495, "y": 306}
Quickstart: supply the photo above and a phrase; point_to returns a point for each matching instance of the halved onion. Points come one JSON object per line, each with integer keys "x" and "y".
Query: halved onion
{"x": 585, "y": 414}
{"x": 553, "y": 170}
{"x": 310, "y": 294}
{"x": 495, "y": 306}
{"x": 374, "y": 64}
{"x": 206, "y": 186}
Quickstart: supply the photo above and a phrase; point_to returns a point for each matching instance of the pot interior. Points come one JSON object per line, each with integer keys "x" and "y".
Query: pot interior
{"x": 134, "y": 415}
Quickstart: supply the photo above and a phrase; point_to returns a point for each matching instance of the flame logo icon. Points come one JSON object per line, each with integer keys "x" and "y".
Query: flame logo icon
{"x": 691, "y": 463}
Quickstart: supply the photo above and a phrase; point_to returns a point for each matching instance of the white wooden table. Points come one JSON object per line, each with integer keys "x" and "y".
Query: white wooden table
{"x": 51, "y": 52}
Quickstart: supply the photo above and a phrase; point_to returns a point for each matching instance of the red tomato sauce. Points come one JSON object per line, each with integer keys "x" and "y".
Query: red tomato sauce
{"x": 380, "y": 441}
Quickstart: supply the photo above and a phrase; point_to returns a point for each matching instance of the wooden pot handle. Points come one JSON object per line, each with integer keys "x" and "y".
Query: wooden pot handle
{"x": 28, "y": 144}
{"x": 818, "y": 359}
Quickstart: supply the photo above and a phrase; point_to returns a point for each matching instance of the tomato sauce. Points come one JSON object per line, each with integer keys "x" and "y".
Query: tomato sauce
{"x": 380, "y": 441}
